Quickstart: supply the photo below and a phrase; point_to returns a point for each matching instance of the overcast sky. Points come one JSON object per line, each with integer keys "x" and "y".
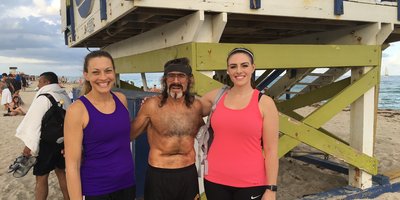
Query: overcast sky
{"x": 31, "y": 39}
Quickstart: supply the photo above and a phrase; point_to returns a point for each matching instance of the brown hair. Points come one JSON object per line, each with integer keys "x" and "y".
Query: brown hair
{"x": 94, "y": 54}
{"x": 184, "y": 67}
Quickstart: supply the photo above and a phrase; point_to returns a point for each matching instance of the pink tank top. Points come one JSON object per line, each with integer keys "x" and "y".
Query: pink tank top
{"x": 235, "y": 157}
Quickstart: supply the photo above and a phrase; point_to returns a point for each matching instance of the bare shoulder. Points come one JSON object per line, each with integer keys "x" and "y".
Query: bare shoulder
{"x": 267, "y": 104}
{"x": 121, "y": 96}
{"x": 267, "y": 100}
{"x": 77, "y": 107}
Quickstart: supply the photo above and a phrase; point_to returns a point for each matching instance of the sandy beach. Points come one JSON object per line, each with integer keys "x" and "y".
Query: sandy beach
{"x": 295, "y": 178}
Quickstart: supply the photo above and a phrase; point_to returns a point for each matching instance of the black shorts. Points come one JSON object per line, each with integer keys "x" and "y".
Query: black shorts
{"x": 171, "y": 184}
{"x": 123, "y": 194}
{"x": 215, "y": 191}
{"x": 49, "y": 158}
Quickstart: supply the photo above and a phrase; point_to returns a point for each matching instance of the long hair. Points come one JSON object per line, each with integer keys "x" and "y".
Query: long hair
{"x": 94, "y": 54}
{"x": 188, "y": 95}
{"x": 250, "y": 54}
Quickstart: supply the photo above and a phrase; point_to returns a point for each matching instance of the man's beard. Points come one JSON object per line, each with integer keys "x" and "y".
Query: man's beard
{"x": 175, "y": 95}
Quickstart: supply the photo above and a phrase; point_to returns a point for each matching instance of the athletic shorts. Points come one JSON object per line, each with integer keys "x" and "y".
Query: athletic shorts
{"x": 215, "y": 191}
{"x": 49, "y": 158}
{"x": 123, "y": 194}
{"x": 171, "y": 184}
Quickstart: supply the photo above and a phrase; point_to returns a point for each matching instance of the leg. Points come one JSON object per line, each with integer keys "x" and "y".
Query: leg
{"x": 125, "y": 194}
{"x": 216, "y": 191}
{"x": 250, "y": 193}
{"x": 62, "y": 181}
{"x": 42, "y": 188}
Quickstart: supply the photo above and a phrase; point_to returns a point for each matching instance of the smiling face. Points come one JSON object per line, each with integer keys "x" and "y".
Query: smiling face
{"x": 100, "y": 74}
{"x": 240, "y": 69}
{"x": 177, "y": 83}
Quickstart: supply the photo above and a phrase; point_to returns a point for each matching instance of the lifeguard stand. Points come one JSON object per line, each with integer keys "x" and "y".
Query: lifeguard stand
{"x": 291, "y": 39}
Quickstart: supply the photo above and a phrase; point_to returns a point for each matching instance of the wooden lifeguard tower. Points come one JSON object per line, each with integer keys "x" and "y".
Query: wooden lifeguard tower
{"x": 291, "y": 39}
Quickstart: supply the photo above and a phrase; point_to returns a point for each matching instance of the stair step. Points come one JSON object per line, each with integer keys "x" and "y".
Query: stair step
{"x": 317, "y": 74}
{"x": 310, "y": 84}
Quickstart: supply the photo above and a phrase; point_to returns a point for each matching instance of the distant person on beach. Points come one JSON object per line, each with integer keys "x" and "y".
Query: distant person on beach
{"x": 24, "y": 82}
{"x": 155, "y": 89}
{"x": 49, "y": 156}
{"x": 171, "y": 120}
{"x": 243, "y": 156}
{"x": 15, "y": 107}
{"x": 6, "y": 96}
{"x": 7, "y": 80}
{"x": 97, "y": 141}
{"x": 17, "y": 84}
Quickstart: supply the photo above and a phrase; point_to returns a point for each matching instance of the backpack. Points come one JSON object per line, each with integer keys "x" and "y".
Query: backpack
{"x": 52, "y": 129}
{"x": 205, "y": 135}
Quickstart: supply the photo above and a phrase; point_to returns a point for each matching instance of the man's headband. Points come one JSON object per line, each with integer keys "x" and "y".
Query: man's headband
{"x": 178, "y": 67}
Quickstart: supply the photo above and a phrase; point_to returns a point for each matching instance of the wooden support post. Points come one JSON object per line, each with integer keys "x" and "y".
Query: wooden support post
{"x": 144, "y": 82}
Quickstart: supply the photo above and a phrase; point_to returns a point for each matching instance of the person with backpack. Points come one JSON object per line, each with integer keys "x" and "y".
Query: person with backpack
{"x": 36, "y": 130}
{"x": 97, "y": 142}
{"x": 242, "y": 160}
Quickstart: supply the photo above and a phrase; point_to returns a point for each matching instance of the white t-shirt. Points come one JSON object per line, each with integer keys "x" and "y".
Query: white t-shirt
{"x": 6, "y": 96}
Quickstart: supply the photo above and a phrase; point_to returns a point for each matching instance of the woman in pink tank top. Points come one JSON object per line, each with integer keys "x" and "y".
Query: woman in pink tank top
{"x": 243, "y": 157}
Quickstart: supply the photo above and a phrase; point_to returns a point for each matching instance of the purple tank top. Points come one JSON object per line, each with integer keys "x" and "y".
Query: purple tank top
{"x": 107, "y": 163}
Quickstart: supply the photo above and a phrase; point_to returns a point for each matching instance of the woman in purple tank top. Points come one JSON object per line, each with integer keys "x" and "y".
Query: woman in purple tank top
{"x": 99, "y": 162}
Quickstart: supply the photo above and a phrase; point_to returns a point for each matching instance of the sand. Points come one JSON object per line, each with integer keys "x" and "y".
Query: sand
{"x": 295, "y": 178}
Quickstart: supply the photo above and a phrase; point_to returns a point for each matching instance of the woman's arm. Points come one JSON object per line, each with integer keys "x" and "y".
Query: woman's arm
{"x": 270, "y": 142}
{"x": 73, "y": 136}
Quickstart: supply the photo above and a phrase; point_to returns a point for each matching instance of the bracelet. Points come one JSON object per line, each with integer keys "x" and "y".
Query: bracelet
{"x": 273, "y": 188}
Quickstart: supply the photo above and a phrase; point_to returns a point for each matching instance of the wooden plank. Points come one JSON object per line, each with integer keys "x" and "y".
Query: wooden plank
{"x": 314, "y": 96}
{"x": 153, "y": 61}
{"x": 290, "y": 56}
{"x": 318, "y": 140}
{"x": 342, "y": 99}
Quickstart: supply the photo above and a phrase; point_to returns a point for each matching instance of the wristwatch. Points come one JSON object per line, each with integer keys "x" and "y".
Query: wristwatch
{"x": 273, "y": 188}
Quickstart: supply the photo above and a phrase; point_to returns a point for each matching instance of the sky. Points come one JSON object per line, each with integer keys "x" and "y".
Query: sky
{"x": 31, "y": 39}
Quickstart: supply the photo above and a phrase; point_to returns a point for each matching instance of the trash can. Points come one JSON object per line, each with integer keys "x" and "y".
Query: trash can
{"x": 140, "y": 146}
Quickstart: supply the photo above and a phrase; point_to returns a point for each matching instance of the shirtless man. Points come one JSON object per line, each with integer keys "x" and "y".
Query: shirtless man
{"x": 172, "y": 121}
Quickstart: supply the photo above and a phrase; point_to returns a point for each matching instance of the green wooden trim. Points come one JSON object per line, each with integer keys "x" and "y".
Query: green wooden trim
{"x": 268, "y": 56}
{"x": 343, "y": 99}
{"x": 319, "y": 140}
{"x": 154, "y": 61}
{"x": 204, "y": 84}
{"x": 286, "y": 144}
{"x": 314, "y": 96}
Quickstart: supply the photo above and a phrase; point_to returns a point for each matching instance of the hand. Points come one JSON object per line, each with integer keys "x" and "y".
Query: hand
{"x": 269, "y": 195}
{"x": 26, "y": 152}
{"x": 144, "y": 100}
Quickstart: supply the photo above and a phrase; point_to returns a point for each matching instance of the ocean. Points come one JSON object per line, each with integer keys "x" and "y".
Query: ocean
{"x": 389, "y": 94}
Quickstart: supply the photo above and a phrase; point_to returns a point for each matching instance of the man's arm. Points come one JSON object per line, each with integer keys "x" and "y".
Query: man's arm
{"x": 142, "y": 120}
{"x": 29, "y": 128}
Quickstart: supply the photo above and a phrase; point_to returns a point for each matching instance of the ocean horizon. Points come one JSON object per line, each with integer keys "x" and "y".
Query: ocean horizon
{"x": 389, "y": 93}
